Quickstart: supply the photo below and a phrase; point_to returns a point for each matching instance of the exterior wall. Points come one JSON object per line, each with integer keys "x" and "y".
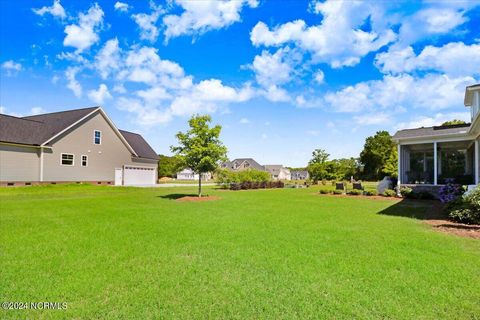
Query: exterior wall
{"x": 102, "y": 159}
{"x": 19, "y": 163}
{"x": 284, "y": 174}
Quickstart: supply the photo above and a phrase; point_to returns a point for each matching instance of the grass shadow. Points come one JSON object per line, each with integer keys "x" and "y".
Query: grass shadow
{"x": 417, "y": 209}
{"x": 175, "y": 196}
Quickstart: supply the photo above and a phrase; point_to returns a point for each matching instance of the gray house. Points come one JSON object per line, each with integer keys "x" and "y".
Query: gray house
{"x": 242, "y": 164}
{"x": 299, "y": 174}
{"x": 431, "y": 156}
{"x": 278, "y": 172}
{"x": 81, "y": 145}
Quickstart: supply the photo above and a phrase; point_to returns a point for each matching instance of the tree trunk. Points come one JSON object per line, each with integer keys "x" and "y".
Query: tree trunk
{"x": 199, "y": 185}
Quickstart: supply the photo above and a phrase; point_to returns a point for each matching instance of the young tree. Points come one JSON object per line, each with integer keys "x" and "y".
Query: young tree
{"x": 377, "y": 152}
{"x": 200, "y": 147}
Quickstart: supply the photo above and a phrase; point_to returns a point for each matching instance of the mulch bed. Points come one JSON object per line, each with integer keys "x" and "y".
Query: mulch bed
{"x": 360, "y": 197}
{"x": 196, "y": 199}
{"x": 436, "y": 219}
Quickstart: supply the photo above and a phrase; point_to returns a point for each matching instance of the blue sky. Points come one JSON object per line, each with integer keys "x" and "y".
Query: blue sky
{"x": 281, "y": 77}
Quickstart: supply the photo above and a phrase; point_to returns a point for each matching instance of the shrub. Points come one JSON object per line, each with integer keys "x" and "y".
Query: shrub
{"x": 406, "y": 192}
{"x": 370, "y": 193}
{"x": 246, "y": 185}
{"x": 355, "y": 192}
{"x": 465, "y": 209}
{"x": 323, "y": 191}
{"x": 450, "y": 191}
{"x": 389, "y": 193}
{"x": 337, "y": 192}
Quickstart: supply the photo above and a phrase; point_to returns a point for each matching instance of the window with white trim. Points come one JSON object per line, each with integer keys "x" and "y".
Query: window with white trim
{"x": 84, "y": 160}
{"x": 97, "y": 137}
{"x": 67, "y": 159}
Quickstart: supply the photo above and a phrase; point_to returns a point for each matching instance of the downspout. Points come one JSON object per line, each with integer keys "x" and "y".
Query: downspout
{"x": 41, "y": 164}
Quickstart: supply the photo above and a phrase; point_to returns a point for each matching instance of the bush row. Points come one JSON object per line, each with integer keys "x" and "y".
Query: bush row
{"x": 351, "y": 192}
{"x": 245, "y": 185}
{"x": 226, "y": 178}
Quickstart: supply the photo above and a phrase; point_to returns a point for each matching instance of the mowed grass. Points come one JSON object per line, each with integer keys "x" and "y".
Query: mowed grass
{"x": 132, "y": 253}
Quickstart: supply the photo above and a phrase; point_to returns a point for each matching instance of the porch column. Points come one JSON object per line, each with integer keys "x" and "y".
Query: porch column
{"x": 476, "y": 161}
{"x": 435, "y": 164}
{"x": 399, "y": 153}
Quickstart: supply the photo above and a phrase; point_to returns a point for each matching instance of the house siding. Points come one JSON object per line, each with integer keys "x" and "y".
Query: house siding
{"x": 19, "y": 163}
{"x": 102, "y": 159}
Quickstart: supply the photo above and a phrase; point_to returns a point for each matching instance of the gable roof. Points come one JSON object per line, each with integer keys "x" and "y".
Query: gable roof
{"x": 39, "y": 129}
{"x": 35, "y": 130}
{"x": 253, "y": 164}
{"x": 18, "y": 130}
{"x": 141, "y": 147}
{"x": 436, "y": 131}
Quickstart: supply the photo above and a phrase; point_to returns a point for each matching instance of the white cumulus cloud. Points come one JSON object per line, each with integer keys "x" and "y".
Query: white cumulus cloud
{"x": 84, "y": 34}
{"x": 338, "y": 39}
{"x": 201, "y": 16}
{"x": 100, "y": 95}
{"x": 55, "y": 10}
{"x": 121, "y": 6}
{"x": 11, "y": 67}
{"x": 73, "y": 84}
{"x": 455, "y": 58}
{"x": 147, "y": 22}
{"x": 396, "y": 93}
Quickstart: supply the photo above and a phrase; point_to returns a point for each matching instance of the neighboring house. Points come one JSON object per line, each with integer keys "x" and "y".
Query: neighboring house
{"x": 81, "y": 145}
{"x": 299, "y": 174}
{"x": 278, "y": 172}
{"x": 431, "y": 156}
{"x": 242, "y": 164}
{"x": 188, "y": 174}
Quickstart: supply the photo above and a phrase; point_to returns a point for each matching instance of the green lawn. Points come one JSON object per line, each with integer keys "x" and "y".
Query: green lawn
{"x": 137, "y": 254}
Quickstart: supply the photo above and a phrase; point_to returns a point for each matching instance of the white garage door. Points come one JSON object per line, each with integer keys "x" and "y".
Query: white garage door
{"x": 133, "y": 175}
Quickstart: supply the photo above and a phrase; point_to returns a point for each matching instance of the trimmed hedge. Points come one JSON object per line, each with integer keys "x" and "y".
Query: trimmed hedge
{"x": 247, "y": 185}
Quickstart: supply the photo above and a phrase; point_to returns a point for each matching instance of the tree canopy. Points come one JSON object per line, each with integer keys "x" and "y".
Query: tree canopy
{"x": 319, "y": 167}
{"x": 200, "y": 148}
{"x": 453, "y": 122}
{"x": 169, "y": 166}
{"x": 379, "y": 156}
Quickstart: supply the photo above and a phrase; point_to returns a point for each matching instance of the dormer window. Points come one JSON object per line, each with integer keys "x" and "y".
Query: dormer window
{"x": 97, "y": 137}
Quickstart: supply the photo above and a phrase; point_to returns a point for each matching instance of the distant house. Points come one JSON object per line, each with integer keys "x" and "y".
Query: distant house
{"x": 278, "y": 172}
{"x": 431, "y": 156}
{"x": 188, "y": 174}
{"x": 242, "y": 164}
{"x": 299, "y": 174}
{"x": 81, "y": 145}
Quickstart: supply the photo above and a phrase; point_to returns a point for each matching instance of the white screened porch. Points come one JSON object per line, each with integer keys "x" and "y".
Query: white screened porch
{"x": 436, "y": 162}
